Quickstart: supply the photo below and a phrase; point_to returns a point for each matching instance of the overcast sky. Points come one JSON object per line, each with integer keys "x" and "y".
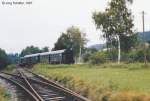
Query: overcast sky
{"x": 41, "y": 23}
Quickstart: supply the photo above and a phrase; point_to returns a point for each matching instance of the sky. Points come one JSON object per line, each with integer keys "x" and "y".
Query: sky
{"x": 42, "y": 22}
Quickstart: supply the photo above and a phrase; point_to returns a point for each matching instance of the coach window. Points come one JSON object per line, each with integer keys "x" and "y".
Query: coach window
{"x": 52, "y": 57}
{"x": 55, "y": 57}
{"x": 60, "y": 56}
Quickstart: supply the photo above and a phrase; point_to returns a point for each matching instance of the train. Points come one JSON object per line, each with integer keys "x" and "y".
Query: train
{"x": 64, "y": 56}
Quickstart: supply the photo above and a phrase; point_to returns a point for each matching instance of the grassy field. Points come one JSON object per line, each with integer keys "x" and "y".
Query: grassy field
{"x": 130, "y": 79}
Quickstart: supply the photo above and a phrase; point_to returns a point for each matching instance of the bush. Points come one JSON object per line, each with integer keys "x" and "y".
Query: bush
{"x": 4, "y": 95}
{"x": 11, "y": 67}
{"x": 88, "y": 53}
{"x": 86, "y": 57}
{"x": 113, "y": 54}
{"x": 98, "y": 58}
{"x": 129, "y": 57}
{"x": 138, "y": 56}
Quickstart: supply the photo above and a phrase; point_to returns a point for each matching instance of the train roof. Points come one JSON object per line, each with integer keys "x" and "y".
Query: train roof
{"x": 52, "y": 52}
{"x": 44, "y": 53}
{"x": 31, "y": 55}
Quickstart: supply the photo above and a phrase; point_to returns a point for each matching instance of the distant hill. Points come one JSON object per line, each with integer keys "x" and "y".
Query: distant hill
{"x": 140, "y": 36}
{"x": 147, "y": 36}
{"x": 98, "y": 46}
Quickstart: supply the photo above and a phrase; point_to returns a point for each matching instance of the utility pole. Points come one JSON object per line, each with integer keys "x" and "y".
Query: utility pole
{"x": 143, "y": 21}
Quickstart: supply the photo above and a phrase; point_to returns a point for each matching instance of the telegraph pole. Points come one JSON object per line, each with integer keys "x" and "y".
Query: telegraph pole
{"x": 143, "y": 21}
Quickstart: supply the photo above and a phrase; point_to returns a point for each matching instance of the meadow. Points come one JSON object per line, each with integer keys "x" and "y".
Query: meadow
{"x": 124, "y": 82}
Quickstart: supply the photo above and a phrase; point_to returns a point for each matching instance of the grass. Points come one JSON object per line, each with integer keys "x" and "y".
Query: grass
{"x": 10, "y": 68}
{"x": 107, "y": 79}
{"x": 4, "y": 95}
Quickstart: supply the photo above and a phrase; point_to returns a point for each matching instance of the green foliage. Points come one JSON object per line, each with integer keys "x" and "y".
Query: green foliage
{"x": 63, "y": 42}
{"x": 135, "y": 55}
{"x": 32, "y": 50}
{"x": 113, "y": 54}
{"x": 78, "y": 39}
{"x": 4, "y": 95}
{"x": 138, "y": 55}
{"x": 88, "y": 53}
{"x": 10, "y": 67}
{"x": 73, "y": 39}
{"x": 13, "y": 58}
{"x": 116, "y": 21}
{"x": 98, "y": 58}
{"x": 45, "y": 49}
{"x": 128, "y": 42}
{"x": 3, "y": 59}
{"x": 103, "y": 56}
{"x": 86, "y": 57}
{"x": 7, "y": 95}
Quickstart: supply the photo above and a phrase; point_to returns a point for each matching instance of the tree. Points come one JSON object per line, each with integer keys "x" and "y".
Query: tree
{"x": 13, "y": 58}
{"x": 88, "y": 52}
{"x": 30, "y": 50}
{"x": 78, "y": 40}
{"x": 33, "y": 50}
{"x": 45, "y": 49}
{"x": 73, "y": 39}
{"x": 116, "y": 23}
{"x": 128, "y": 42}
{"x": 3, "y": 59}
{"x": 63, "y": 42}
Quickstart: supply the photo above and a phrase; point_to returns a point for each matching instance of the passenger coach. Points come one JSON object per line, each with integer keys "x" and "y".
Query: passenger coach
{"x": 54, "y": 57}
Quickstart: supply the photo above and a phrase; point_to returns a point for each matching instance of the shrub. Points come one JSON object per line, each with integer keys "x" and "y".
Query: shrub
{"x": 113, "y": 54}
{"x": 88, "y": 53}
{"x": 4, "y": 95}
{"x": 129, "y": 57}
{"x": 138, "y": 55}
{"x": 86, "y": 57}
{"x": 10, "y": 67}
{"x": 98, "y": 58}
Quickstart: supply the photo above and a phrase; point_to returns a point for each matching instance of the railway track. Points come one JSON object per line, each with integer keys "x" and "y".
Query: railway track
{"x": 39, "y": 88}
